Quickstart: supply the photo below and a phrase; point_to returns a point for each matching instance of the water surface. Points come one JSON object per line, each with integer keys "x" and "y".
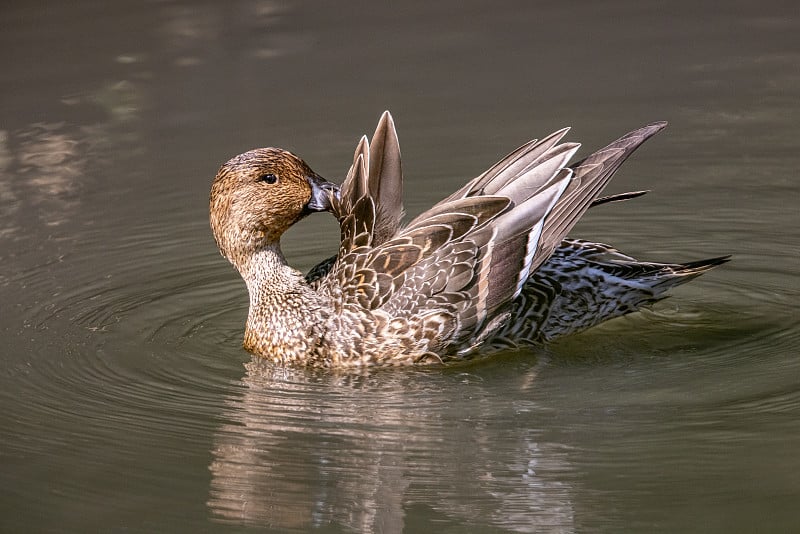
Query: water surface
{"x": 127, "y": 402}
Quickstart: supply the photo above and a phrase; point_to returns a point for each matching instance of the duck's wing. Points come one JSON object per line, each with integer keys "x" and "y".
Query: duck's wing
{"x": 446, "y": 256}
{"x": 591, "y": 175}
{"x": 370, "y": 202}
{"x": 454, "y": 269}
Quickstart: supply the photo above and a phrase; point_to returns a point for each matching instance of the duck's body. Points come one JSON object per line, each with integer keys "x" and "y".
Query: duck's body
{"x": 487, "y": 267}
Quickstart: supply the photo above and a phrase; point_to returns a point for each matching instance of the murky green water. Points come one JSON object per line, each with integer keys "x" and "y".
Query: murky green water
{"x": 126, "y": 403}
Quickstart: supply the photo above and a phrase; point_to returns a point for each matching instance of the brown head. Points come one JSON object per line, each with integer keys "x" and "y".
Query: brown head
{"x": 258, "y": 195}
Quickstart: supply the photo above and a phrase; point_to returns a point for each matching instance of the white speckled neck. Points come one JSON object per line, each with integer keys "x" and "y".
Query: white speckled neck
{"x": 281, "y": 320}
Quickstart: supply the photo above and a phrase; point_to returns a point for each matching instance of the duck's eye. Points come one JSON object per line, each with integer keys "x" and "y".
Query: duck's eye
{"x": 268, "y": 178}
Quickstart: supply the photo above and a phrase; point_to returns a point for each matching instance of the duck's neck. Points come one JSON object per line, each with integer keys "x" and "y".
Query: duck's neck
{"x": 266, "y": 271}
{"x": 282, "y": 323}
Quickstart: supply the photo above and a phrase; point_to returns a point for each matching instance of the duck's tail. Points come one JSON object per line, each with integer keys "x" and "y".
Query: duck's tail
{"x": 584, "y": 284}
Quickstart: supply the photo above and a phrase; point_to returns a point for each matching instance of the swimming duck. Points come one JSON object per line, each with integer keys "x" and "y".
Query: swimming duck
{"x": 487, "y": 268}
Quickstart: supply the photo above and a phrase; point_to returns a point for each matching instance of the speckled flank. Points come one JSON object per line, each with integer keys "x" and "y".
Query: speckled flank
{"x": 486, "y": 268}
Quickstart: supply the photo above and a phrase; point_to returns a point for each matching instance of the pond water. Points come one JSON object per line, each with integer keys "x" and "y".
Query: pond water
{"x": 127, "y": 403}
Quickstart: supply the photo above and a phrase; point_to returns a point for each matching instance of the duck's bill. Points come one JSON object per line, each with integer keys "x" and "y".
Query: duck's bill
{"x": 321, "y": 193}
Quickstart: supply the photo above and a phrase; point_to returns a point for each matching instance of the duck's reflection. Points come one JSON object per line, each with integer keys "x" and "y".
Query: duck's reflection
{"x": 305, "y": 449}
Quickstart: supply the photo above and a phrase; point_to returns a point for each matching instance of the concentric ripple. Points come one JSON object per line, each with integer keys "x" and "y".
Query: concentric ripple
{"x": 114, "y": 366}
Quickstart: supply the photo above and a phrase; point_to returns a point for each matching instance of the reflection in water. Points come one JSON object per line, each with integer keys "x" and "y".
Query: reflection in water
{"x": 44, "y": 164}
{"x": 47, "y": 166}
{"x": 193, "y": 33}
{"x": 303, "y": 449}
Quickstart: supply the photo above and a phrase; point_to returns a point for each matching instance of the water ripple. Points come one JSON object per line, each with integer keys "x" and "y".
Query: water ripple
{"x": 96, "y": 363}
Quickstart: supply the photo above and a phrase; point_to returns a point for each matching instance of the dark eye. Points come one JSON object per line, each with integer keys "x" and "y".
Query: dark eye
{"x": 268, "y": 178}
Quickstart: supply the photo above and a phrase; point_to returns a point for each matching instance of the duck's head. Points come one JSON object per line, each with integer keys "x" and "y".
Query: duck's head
{"x": 258, "y": 195}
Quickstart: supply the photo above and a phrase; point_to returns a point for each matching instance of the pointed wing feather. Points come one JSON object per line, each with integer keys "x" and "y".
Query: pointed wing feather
{"x": 376, "y": 176}
{"x": 508, "y": 168}
{"x": 386, "y": 178}
{"x": 484, "y": 208}
{"x": 619, "y": 197}
{"x": 591, "y": 175}
{"x": 355, "y": 184}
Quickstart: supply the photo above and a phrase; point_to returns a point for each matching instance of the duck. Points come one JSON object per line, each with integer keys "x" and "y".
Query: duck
{"x": 486, "y": 269}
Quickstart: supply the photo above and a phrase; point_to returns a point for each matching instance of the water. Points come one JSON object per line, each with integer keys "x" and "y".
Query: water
{"x": 127, "y": 402}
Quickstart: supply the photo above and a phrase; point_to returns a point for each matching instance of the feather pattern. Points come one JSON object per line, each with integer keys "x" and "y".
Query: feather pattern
{"x": 471, "y": 260}
{"x": 583, "y": 284}
{"x": 487, "y": 267}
